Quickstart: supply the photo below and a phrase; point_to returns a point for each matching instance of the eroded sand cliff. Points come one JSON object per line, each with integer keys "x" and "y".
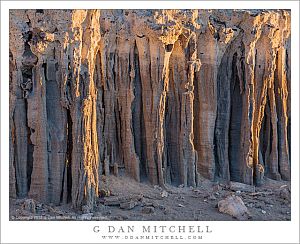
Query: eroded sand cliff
{"x": 165, "y": 96}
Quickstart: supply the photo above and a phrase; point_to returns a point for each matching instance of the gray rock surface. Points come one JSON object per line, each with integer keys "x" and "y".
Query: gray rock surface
{"x": 234, "y": 206}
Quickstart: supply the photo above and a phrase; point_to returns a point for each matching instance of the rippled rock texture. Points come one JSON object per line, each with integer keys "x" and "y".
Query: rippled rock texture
{"x": 163, "y": 96}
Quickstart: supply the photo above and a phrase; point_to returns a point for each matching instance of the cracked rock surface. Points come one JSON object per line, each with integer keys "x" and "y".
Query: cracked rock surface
{"x": 165, "y": 97}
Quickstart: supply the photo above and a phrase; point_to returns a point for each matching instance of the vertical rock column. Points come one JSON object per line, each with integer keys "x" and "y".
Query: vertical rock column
{"x": 282, "y": 94}
{"x": 179, "y": 117}
{"x": 46, "y": 115}
{"x": 205, "y": 103}
{"x": 17, "y": 136}
{"x": 124, "y": 81}
{"x": 148, "y": 69}
{"x": 265, "y": 82}
{"x": 189, "y": 155}
{"x": 37, "y": 122}
{"x": 218, "y": 43}
{"x": 108, "y": 118}
{"x": 57, "y": 131}
{"x": 85, "y": 157}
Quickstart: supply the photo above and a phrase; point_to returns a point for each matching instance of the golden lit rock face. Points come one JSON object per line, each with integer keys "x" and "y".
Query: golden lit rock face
{"x": 166, "y": 96}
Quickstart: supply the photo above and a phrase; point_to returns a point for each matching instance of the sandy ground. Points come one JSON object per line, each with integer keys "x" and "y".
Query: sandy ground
{"x": 152, "y": 203}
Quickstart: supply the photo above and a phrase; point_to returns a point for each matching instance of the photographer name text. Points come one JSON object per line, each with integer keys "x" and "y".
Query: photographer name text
{"x": 153, "y": 229}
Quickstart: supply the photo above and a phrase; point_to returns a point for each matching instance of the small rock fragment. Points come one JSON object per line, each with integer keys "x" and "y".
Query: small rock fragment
{"x": 212, "y": 197}
{"x": 285, "y": 193}
{"x": 164, "y": 194}
{"x": 128, "y": 205}
{"x": 167, "y": 211}
{"x": 234, "y": 206}
{"x": 196, "y": 190}
{"x": 148, "y": 210}
{"x": 104, "y": 193}
{"x": 216, "y": 188}
{"x": 250, "y": 205}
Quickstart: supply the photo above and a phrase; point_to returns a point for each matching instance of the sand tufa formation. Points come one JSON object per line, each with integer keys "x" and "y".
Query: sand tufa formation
{"x": 163, "y": 96}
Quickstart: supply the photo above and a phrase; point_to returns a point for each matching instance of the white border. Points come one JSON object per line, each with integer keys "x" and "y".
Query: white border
{"x": 81, "y": 232}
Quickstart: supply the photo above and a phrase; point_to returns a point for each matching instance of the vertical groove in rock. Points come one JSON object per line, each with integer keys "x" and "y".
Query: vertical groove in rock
{"x": 12, "y": 128}
{"x": 20, "y": 152}
{"x": 68, "y": 166}
{"x": 172, "y": 130}
{"x": 222, "y": 118}
{"x": 287, "y": 63}
{"x": 235, "y": 123}
{"x": 165, "y": 96}
{"x": 57, "y": 134}
{"x": 138, "y": 125}
{"x": 147, "y": 94}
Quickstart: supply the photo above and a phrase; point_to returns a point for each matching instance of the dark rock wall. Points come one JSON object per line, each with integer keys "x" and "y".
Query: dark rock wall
{"x": 165, "y": 96}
